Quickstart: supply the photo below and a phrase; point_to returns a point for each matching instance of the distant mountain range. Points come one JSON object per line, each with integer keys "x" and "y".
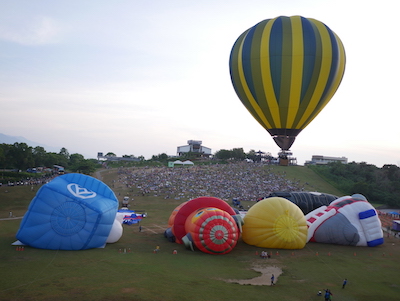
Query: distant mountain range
{"x": 12, "y": 139}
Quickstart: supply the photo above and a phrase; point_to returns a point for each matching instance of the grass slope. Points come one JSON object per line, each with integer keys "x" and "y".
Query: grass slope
{"x": 129, "y": 270}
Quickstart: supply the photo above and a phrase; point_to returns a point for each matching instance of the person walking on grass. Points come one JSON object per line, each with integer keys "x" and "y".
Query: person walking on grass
{"x": 328, "y": 294}
{"x": 272, "y": 279}
{"x": 344, "y": 282}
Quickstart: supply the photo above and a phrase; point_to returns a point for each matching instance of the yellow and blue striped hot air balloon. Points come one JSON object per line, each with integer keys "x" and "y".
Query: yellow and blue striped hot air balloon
{"x": 285, "y": 70}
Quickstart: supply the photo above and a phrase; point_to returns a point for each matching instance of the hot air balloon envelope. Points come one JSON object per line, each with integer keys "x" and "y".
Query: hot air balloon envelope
{"x": 285, "y": 70}
{"x": 212, "y": 230}
{"x": 306, "y": 201}
{"x": 72, "y": 212}
{"x": 182, "y": 212}
{"x": 349, "y": 220}
{"x": 275, "y": 223}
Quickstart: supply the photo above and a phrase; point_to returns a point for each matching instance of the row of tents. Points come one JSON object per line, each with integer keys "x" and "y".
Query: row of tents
{"x": 179, "y": 162}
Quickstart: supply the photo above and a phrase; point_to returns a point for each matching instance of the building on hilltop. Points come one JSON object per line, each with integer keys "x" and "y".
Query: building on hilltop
{"x": 322, "y": 160}
{"x": 194, "y": 147}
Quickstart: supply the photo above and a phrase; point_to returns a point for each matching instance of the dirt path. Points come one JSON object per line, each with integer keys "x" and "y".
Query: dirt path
{"x": 264, "y": 279}
{"x": 11, "y": 218}
{"x": 98, "y": 174}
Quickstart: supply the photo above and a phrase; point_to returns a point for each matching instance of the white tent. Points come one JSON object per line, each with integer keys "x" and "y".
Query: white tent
{"x": 179, "y": 162}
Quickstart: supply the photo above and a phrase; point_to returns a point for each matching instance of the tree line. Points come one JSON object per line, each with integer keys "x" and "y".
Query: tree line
{"x": 20, "y": 156}
{"x": 378, "y": 185}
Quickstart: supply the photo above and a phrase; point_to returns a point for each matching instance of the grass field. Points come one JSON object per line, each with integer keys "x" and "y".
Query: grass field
{"x": 129, "y": 270}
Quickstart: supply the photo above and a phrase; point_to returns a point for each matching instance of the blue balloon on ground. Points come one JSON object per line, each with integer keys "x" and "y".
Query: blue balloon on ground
{"x": 72, "y": 212}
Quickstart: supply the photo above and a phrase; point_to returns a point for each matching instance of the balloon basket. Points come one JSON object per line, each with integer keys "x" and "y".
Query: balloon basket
{"x": 283, "y": 162}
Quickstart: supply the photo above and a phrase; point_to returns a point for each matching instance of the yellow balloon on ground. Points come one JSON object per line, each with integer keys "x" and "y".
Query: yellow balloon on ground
{"x": 275, "y": 223}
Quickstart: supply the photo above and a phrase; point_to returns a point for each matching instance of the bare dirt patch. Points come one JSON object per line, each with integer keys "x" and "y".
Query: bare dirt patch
{"x": 128, "y": 290}
{"x": 264, "y": 279}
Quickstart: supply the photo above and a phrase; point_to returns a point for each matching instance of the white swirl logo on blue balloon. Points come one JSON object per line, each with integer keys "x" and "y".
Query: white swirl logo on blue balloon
{"x": 80, "y": 192}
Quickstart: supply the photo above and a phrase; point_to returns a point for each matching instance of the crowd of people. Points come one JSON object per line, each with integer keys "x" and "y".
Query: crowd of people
{"x": 241, "y": 181}
{"x": 46, "y": 178}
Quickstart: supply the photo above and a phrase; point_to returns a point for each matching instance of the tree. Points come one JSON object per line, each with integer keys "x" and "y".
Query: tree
{"x": 4, "y": 149}
{"x": 52, "y": 159}
{"x": 223, "y": 154}
{"x": 235, "y": 154}
{"x": 86, "y": 166}
{"x": 64, "y": 152}
{"x": 21, "y": 155}
{"x": 75, "y": 159}
{"x": 39, "y": 155}
{"x": 189, "y": 156}
{"x": 252, "y": 155}
{"x": 160, "y": 157}
{"x": 238, "y": 154}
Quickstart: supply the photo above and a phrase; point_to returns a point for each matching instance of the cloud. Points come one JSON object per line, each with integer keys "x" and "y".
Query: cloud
{"x": 38, "y": 30}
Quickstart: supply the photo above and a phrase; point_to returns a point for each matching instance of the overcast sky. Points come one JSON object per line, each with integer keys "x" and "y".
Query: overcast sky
{"x": 142, "y": 77}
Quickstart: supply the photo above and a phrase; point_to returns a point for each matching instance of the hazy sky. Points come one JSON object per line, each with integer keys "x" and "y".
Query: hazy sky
{"x": 142, "y": 77}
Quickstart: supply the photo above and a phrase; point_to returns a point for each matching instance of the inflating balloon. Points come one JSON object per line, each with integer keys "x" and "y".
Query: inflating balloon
{"x": 285, "y": 70}
{"x": 116, "y": 231}
{"x": 207, "y": 223}
{"x": 169, "y": 234}
{"x": 72, "y": 212}
{"x": 349, "y": 220}
{"x": 182, "y": 212}
{"x": 211, "y": 230}
{"x": 275, "y": 223}
{"x": 305, "y": 200}
{"x": 171, "y": 219}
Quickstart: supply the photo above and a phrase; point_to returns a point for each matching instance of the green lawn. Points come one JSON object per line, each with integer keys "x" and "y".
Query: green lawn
{"x": 129, "y": 270}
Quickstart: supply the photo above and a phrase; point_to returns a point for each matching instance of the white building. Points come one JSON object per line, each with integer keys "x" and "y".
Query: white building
{"x": 321, "y": 160}
{"x": 194, "y": 146}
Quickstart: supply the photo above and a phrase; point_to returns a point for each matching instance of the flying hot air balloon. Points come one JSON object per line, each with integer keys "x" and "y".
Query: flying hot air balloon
{"x": 285, "y": 71}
